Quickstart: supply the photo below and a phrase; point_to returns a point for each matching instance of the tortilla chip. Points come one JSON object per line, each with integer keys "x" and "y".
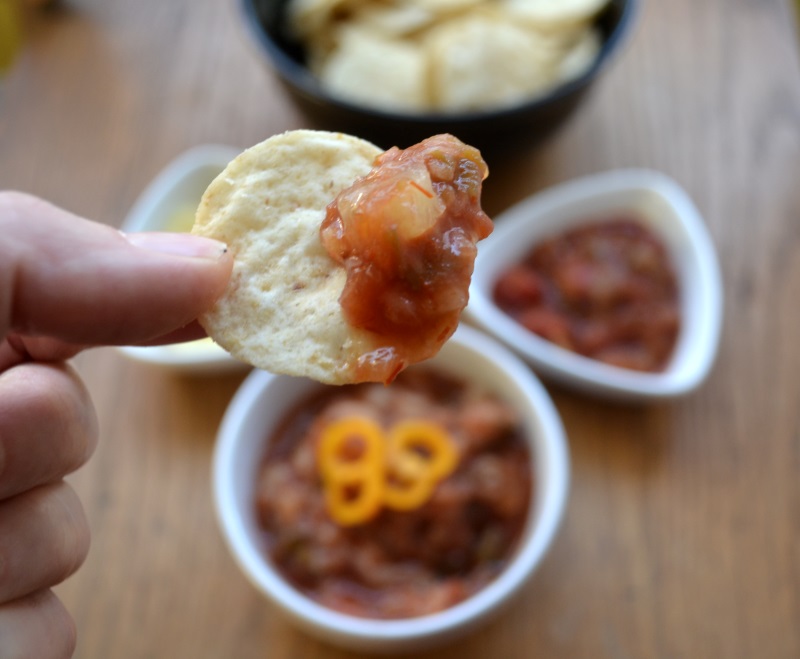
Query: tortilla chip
{"x": 281, "y": 310}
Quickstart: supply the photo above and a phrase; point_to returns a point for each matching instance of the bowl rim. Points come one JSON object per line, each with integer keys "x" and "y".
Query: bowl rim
{"x": 702, "y": 302}
{"x": 157, "y": 192}
{"x": 170, "y": 176}
{"x": 299, "y": 76}
{"x": 549, "y": 449}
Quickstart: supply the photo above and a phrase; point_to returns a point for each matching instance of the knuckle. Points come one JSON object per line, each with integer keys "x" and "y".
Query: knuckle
{"x": 37, "y": 625}
{"x": 72, "y": 537}
{"x": 44, "y": 538}
{"x": 48, "y": 426}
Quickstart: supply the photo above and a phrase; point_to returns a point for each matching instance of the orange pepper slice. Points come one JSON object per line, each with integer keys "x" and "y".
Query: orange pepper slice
{"x": 353, "y": 483}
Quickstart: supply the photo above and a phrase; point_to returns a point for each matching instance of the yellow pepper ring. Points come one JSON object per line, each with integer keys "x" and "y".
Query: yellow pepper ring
{"x": 336, "y": 436}
{"x": 407, "y": 494}
{"x": 400, "y": 470}
{"x": 353, "y": 485}
{"x": 422, "y": 446}
{"x": 349, "y": 507}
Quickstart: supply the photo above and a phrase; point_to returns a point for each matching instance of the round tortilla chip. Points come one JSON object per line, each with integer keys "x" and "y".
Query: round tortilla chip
{"x": 281, "y": 310}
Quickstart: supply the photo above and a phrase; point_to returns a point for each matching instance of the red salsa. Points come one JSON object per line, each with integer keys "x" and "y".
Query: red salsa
{"x": 406, "y": 234}
{"x": 606, "y": 290}
{"x": 398, "y": 563}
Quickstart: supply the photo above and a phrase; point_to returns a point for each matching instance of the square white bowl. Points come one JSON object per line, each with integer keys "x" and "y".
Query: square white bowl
{"x": 262, "y": 402}
{"x": 176, "y": 189}
{"x": 663, "y": 206}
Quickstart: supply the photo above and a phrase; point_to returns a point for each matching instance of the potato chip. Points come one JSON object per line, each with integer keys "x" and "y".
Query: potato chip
{"x": 554, "y": 14}
{"x": 308, "y": 18}
{"x": 482, "y": 61}
{"x": 376, "y": 70}
{"x": 412, "y": 56}
{"x": 395, "y": 20}
{"x": 443, "y": 7}
{"x": 580, "y": 57}
{"x": 281, "y": 310}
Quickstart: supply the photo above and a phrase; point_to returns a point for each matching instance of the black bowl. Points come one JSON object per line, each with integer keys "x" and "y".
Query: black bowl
{"x": 525, "y": 125}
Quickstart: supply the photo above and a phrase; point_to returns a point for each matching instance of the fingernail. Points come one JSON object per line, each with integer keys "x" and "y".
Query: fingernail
{"x": 179, "y": 244}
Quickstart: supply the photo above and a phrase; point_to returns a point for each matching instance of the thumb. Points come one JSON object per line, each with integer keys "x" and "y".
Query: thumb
{"x": 82, "y": 282}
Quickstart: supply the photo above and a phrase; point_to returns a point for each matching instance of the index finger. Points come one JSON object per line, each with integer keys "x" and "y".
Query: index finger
{"x": 85, "y": 283}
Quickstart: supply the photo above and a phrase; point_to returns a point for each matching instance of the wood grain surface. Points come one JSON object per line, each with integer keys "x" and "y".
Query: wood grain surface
{"x": 682, "y": 535}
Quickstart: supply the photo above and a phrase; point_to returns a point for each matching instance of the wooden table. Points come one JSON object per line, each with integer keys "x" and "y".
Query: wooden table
{"x": 682, "y": 535}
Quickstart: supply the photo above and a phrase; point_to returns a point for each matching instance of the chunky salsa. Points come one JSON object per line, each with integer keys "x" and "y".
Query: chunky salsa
{"x": 605, "y": 290}
{"x": 406, "y": 233}
{"x": 406, "y": 561}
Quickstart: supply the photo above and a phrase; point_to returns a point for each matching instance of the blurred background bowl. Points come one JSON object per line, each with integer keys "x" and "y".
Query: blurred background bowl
{"x": 261, "y": 404}
{"x": 660, "y": 204}
{"x": 523, "y": 125}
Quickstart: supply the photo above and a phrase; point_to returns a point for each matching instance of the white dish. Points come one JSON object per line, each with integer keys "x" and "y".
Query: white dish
{"x": 264, "y": 399}
{"x": 166, "y": 205}
{"x": 663, "y": 206}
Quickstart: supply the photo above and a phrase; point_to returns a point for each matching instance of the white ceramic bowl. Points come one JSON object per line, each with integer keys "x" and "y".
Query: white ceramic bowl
{"x": 668, "y": 211}
{"x": 165, "y": 205}
{"x": 262, "y": 401}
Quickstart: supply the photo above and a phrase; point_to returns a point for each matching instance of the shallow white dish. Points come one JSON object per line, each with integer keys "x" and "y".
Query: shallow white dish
{"x": 166, "y": 205}
{"x": 264, "y": 399}
{"x": 663, "y": 206}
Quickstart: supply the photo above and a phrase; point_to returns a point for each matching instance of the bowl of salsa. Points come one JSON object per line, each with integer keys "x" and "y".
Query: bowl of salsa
{"x": 394, "y": 518}
{"x": 609, "y": 283}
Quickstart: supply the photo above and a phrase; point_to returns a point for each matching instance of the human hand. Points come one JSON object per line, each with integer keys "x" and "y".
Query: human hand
{"x": 67, "y": 283}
